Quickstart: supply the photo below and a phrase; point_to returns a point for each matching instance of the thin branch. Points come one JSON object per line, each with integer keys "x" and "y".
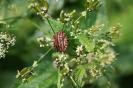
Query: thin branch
{"x": 45, "y": 54}
{"x": 50, "y": 25}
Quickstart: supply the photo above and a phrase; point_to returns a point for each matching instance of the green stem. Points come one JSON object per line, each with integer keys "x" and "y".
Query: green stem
{"x": 59, "y": 78}
{"x": 78, "y": 19}
{"x": 44, "y": 54}
{"x": 63, "y": 26}
{"x": 10, "y": 18}
{"x": 73, "y": 81}
{"x": 50, "y": 25}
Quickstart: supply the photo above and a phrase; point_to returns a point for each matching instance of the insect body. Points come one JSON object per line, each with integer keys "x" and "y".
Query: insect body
{"x": 60, "y": 41}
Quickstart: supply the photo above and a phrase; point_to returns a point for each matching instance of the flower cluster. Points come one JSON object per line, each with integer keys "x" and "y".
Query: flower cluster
{"x": 79, "y": 49}
{"x": 100, "y": 60}
{"x": 104, "y": 44}
{"x": 44, "y": 41}
{"x": 114, "y": 33}
{"x": 6, "y": 40}
{"x": 92, "y": 52}
{"x": 66, "y": 17}
{"x": 92, "y": 32}
{"x": 60, "y": 60}
{"x": 63, "y": 67}
{"x": 102, "y": 55}
{"x": 93, "y": 5}
{"x": 41, "y": 7}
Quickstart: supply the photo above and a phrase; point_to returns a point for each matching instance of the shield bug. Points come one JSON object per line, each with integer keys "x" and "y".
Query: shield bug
{"x": 60, "y": 41}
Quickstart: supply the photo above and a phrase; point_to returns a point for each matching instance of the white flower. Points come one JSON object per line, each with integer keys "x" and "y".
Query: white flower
{"x": 35, "y": 64}
{"x": 79, "y": 48}
{"x": 4, "y": 36}
{"x": 7, "y": 40}
{"x": 72, "y": 33}
{"x": 85, "y": 31}
{"x": 12, "y": 41}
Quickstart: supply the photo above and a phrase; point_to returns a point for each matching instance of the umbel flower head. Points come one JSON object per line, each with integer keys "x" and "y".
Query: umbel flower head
{"x": 41, "y": 6}
{"x": 6, "y": 40}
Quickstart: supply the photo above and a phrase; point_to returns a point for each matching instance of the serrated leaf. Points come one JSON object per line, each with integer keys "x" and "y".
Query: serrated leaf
{"x": 78, "y": 75}
{"x": 45, "y": 78}
{"x": 84, "y": 41}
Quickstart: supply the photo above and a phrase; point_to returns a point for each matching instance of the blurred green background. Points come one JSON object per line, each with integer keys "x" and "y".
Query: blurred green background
{"x": 27, "y": 48}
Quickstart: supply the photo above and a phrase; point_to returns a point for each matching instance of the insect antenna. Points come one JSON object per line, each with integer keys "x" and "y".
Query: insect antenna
{"x": 50, "y": 25}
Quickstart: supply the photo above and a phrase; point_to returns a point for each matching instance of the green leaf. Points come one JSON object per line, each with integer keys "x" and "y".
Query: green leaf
{"x": 46, "y": 77}
{"x": 84, "y": 41}
{"x": 56, "y": 25}
{"x": 78, "y": 75}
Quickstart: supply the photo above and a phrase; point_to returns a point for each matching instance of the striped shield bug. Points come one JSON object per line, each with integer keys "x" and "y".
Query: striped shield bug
{"x": 60, "y": 41}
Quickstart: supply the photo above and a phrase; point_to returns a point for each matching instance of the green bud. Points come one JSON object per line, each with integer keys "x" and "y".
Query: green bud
{"x": 96, "y": 28}
{"x": 98, "y": 6}
{"x": 83, "y": 13}
{"x": 25, "y": 71}
{"x": 62, "y": 16}
{"x": 37, "y": 9}
{"x": 76, "y": 26}
{"x": 65, "y": 71}
{"x": 45, "y": 4}
{"x": 95, "y": 3}
{"x": 27, "y": 77}
{"x": 71, "y": 13}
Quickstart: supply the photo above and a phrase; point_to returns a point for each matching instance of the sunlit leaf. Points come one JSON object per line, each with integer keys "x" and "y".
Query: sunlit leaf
{"x": 78, "y": 75}
{"x": 84, "y": 41}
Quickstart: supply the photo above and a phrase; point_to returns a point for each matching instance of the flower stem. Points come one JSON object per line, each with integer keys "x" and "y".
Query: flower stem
{"x": 11, "y": 18}
{"x": 44, "y": 54}
{"x": 78, "y": 19}
{"x": 50, "y": 25}
{"x": 73, "y": 80}
{"x": 58, "y": 84}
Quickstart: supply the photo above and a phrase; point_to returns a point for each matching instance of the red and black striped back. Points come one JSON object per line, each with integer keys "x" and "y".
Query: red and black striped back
{"x": 60, "y": 41}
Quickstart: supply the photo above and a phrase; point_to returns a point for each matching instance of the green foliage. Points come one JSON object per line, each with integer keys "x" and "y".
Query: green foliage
{"x": 78, "y": 76}
{"x": 42, "y": 78}
{"x": 88, "y": 40}
{"x": 57, "y": 25}
{"x": 84, "y": 41}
